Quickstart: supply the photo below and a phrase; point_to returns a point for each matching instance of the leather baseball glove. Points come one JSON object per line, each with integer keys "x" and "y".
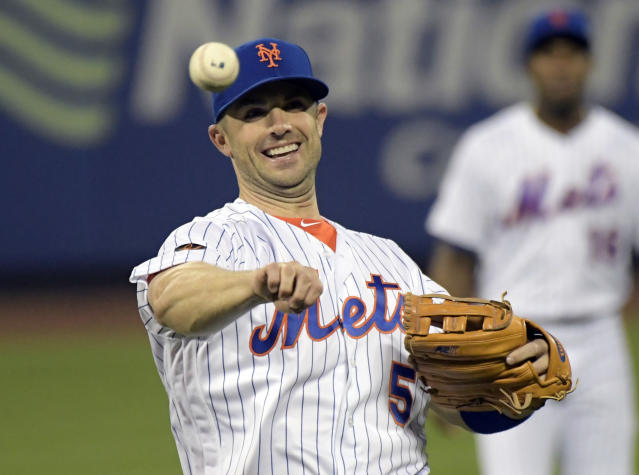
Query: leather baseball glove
{"x": 464, "y": 365}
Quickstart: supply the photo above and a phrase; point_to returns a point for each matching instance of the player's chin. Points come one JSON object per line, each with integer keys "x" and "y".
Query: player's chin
{"x": 564, "y": 97}
{"x": 290, "y": 172}
{"x": 291, "y": 184}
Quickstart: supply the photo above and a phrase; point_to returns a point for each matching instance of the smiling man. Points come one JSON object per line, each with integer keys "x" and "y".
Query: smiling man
{"x": 281, "y": 162}
{"x": 277, "y": 333}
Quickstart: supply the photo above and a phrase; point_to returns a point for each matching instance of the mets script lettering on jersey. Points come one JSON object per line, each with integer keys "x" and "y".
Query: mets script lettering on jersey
{"x": 354, "y": 321}
{"x": 600, "y": 189}
{"x": 270, "y": 55}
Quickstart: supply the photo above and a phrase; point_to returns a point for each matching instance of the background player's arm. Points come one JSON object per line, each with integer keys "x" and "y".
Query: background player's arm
{"x": 198, "y": 298}
{"x": 454, "y": 269}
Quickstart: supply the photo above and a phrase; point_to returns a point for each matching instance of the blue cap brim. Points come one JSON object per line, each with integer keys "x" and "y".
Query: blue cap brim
{"x": 316, "y": 88}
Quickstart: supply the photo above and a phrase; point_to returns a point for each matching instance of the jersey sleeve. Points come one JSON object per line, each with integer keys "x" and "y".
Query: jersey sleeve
{"x": 460, "y": 212}
{"x": 198, "y": 241}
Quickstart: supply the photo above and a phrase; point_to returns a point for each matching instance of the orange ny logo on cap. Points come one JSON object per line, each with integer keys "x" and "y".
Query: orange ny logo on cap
{"x": 270, "y": 55}
{"x": 558, "y": 18}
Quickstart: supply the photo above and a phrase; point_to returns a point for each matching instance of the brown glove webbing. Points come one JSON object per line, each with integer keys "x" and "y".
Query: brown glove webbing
{"x": 453, "y": 313}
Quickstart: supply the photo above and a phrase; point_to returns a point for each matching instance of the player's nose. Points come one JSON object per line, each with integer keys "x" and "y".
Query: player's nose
{"x": 278, "y": 121}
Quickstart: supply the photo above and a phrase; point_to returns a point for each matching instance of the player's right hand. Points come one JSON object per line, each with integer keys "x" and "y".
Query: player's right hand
{"x": 290, "y": 285}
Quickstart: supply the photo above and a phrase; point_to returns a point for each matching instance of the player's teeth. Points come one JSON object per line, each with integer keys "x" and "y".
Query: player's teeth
{"x": 282, "y": 150}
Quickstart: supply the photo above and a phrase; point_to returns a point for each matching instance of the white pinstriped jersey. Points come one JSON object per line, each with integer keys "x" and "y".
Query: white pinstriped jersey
{"x": 326, "y": 391}
{"x": 552, "y": 217}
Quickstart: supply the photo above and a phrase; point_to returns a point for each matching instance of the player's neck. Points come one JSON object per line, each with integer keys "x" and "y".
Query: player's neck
{"x": 563, "y": 120}
{"x": 302, "y": 206}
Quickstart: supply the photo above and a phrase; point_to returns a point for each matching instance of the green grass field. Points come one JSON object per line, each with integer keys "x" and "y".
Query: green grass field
{"x": 94, "y": 405}
{"x": 85, "y": 405}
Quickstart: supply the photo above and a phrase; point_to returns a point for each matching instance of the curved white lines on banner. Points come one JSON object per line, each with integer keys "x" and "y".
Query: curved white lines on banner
{"x": 59, "y": 66}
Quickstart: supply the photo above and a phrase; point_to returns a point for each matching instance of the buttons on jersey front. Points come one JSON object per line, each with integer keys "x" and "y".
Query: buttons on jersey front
{"x": 353, "y": 363}
{"x": 350, "y": 421}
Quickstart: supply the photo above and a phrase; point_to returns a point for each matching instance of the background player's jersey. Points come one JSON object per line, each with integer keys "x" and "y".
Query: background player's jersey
{"x": 552, "y": 217}
{"x": 328, "y": 391}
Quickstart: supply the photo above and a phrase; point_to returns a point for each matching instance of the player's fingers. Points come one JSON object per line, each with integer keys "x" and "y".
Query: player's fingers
{"x": 302, "y": 285}
{"x": 266, "y": 282}
{"x": 292, "y": 286}
{"x": 308, "y": 288}
{"x": 288, "y": 275}
{"x": 259, "y": 284}
{"x": 530, "y": 351}
{"x": 541, "y": 365}
{"x": 273, "y": 278}
{"x": 314, "y": 291}
{"x": 282, "y": 306}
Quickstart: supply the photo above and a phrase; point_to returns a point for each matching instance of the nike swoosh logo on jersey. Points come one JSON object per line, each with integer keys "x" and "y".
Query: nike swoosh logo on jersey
{"x": 306, "y": 225}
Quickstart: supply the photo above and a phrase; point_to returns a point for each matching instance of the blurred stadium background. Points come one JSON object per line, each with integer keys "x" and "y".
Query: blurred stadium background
{"x": 104, "y": 151}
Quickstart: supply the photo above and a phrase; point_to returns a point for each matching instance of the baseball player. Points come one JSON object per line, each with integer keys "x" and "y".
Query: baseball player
{"x": 276, "y": 332}
{"x": 541, "y": 200}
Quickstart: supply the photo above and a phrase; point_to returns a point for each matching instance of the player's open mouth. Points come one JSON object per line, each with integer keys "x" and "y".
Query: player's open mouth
{"x": 277, "y": 152}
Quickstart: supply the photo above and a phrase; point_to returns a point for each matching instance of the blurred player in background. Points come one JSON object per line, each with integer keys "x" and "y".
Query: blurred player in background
{"x": 275, "y": 331}
{"x": 542, "y": 200}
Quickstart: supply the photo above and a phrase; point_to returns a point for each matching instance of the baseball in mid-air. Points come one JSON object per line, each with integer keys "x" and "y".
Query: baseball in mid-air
{"x": 213, "y": 66}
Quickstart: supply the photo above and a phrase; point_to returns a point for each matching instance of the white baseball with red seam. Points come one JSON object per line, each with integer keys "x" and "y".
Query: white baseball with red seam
{"x": 213, "y": 66}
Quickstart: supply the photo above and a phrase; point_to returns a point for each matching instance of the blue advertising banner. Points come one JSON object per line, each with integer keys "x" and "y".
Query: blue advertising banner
{"x": 104, "y": 139}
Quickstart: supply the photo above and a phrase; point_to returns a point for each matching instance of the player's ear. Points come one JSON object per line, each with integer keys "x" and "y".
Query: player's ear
{"x": 321, "y": 117}
{"x": 219, "y": 139}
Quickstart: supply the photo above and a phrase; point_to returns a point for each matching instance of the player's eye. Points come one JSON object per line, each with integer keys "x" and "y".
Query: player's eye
{"x": 253, "y": 113}
{"x": 296, "y": 104}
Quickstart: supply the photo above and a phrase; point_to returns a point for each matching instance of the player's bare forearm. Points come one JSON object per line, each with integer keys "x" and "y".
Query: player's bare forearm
{"x": 454, "y": 269}
{"x": 198, "y": 298}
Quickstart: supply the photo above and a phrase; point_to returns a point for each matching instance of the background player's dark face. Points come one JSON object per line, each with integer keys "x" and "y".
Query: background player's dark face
{"x": 559, "y": 70}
